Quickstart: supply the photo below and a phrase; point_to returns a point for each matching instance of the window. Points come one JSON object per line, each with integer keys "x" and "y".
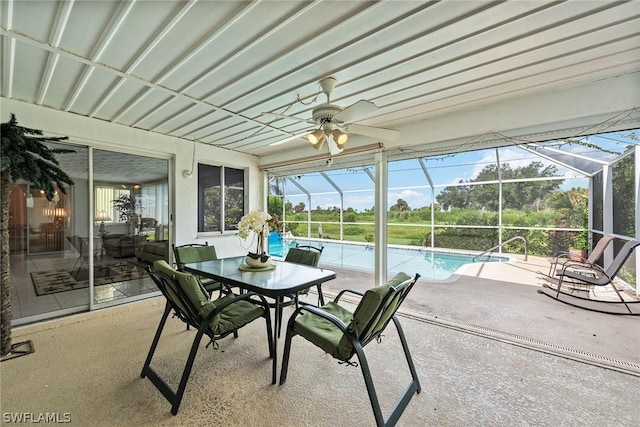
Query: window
{"x": 220, "y": 197}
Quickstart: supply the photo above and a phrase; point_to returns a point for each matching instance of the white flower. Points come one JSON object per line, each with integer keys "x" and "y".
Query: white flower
{"x": 253, "y": 221}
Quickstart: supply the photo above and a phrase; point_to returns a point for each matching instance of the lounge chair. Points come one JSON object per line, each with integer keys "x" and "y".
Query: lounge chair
{"x": 598, "y": 276}
{"x": 343, "y": 334}
{"x": 563, "y": 258}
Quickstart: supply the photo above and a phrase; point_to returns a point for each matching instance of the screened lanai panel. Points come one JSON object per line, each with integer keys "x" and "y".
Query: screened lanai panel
{"x": 569, "y": 158}
{"x": 624, "y": 196}
{"x": 522, "y": 163}
{"x": 454, "y": 168}
{"x": 351, "y": 179}
{"x": 407, "y": 173}
{"x": 321, "y": 182}
{"x": 360, "y": 201}
{"x": 597, "y": 202}
{"x": 528, "y": 203}
{"x": 588, "y": 153}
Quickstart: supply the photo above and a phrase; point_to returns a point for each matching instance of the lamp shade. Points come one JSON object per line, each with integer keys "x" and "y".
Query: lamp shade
{"x": 340, "y": 138}
{"x": 316, "y": 136}
{"x": 102, "y": 216}
{"x": 319, "y": 143}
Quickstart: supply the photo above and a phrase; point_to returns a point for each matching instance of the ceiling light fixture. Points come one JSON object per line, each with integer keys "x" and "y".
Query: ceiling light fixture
{"x": 340, "y": 138}
{"x": 317, "y": 138}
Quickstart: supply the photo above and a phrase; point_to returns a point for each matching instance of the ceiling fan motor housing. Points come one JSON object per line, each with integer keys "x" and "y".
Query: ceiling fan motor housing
{"x": 324, "y": 114}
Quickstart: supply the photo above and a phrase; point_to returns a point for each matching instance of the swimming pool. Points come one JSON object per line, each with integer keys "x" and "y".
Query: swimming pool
{"x": 431, "y": 265}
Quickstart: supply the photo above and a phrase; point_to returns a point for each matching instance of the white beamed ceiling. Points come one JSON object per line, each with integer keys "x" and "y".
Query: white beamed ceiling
{"x": 207, "y": 70}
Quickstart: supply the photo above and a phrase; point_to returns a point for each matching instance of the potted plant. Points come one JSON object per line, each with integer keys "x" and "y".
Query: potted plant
{"x": 579, "y": 247}
{"x": 24, "y": 156}
{"x": 126, "y": 207}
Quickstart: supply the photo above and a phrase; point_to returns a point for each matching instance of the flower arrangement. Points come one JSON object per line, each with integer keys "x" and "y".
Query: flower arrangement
{"x": 257, "y": 222}
{"x": 253, "y": 221}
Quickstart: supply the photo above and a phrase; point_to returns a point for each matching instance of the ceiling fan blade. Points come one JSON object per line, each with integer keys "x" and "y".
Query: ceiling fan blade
{"x": 301, "y": 136}
{"x": 283, "y": 116}
{"x": 374, "y": 132}
{"x": 356, "y": 111}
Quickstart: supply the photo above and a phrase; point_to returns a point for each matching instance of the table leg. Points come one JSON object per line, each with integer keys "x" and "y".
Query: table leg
{"x": 277, "y": 314}
{"x": 320, "y": 296}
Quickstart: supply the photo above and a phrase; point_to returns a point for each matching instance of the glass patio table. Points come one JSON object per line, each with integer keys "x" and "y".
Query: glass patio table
{"x": 285, "y": 280}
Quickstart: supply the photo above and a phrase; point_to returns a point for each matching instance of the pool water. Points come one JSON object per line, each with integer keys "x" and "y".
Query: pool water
{"x": 431, "y": 265}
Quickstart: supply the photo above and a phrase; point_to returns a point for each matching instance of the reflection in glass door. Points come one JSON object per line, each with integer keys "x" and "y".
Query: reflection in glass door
{"x": 45, "y": 262}
{"x": 131, "y": 229}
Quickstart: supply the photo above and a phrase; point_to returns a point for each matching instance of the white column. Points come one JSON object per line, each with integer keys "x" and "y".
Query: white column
{"x": 381, "y": 185}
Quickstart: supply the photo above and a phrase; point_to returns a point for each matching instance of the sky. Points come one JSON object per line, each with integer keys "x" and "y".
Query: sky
{"x": 408, "y": 182}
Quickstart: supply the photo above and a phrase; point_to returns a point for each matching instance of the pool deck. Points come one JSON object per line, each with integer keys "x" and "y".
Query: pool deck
{"x": 501, "y": 301}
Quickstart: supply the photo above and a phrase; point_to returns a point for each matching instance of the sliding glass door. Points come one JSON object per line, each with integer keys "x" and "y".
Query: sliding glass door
{"x": 88, "y": 246}
{"x": 46, "y": 261}
{"x": 131, "y": 223}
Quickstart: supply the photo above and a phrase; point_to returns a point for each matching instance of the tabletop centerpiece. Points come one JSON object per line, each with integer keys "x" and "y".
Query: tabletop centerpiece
{"x": 257, "y": 223}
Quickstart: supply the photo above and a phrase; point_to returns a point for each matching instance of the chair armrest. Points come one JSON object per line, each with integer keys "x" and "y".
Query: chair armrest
{"x": 560, "y": 254}
{"x": 577, "y": 264}
{"x": 351, "y": 291}
{"x": 320, "y": 312}
{"x": 246, "y": 296}
{"x": 579, "y": 276}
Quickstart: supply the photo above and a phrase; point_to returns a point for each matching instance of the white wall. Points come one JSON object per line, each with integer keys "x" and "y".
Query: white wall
{"x": 105, "y": 135}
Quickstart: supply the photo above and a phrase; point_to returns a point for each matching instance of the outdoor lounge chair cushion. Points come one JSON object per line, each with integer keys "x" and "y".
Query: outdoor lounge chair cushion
{"x": 231, "y": 317}
{"x": 195, "y": 253}
{"x": 303, "y": 256}
{"x": 331, "y": 339}
{"x": 187, "y": 255}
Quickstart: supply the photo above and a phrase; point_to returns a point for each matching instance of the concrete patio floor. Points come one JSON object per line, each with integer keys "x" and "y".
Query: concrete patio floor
{"x": 500, "y": 301}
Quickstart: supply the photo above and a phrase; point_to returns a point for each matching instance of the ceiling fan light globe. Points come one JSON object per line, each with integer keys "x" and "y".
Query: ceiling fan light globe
{"x": 340, "y": 138}
{"x": 315, "y": 136}
{"x": 319, "y": 143}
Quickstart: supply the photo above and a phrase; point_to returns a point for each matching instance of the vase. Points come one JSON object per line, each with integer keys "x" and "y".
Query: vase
{"x": 257, "y": 260}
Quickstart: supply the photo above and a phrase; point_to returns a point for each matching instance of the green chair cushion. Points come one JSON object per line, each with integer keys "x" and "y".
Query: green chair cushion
{"x": 370, "y": 303}
{"x": 210, "y": 284}
{"x": 303, "y": 256}
{"x": 188, "y": 254}
{"x": 361, "y": 323}
{"x": 163, "y": 267}
{"x": 233, "y": 316}
{"x": 322, "y": 332}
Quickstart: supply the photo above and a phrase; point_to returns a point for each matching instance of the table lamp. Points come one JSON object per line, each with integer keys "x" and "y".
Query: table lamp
{"x": 102, "y": 217}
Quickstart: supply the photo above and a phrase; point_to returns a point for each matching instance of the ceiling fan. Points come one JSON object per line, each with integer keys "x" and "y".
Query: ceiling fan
{"x": 334, "y": 124}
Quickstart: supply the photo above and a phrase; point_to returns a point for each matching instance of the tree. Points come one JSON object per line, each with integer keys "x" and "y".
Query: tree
{"x": 400, "y": 206}
{"x": 526, "y": 195}
{"x": 299, "y": 208}
{"x": 23, "y": 156}
{"x": 274, "y": 205}
{"x": 623, "y": 189}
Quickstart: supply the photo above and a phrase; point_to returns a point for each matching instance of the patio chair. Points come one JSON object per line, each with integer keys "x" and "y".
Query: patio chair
{"x": 307, "y": 255}
{"x": 217, "y": 319}
{"x": 196, "y": 252}
{"x": 598, "y": 276}
{"x": 343, "y": 334}
{"x": 562, "y": 258}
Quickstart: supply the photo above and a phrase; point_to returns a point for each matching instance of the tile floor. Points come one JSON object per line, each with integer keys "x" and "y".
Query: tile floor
{"x": 26, "y": 303}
